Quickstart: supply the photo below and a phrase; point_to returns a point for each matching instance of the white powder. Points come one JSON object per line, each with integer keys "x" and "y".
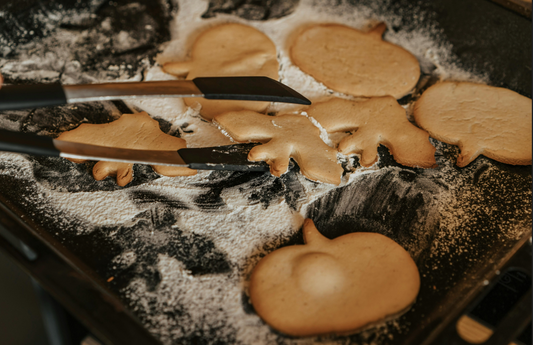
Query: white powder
{"x": 465, "y": 202}
{"x": 323, "y": 133}
{"x": 101, "y": 208}
{"x": 124, "y": 260}
{"x": 244, "y": 224}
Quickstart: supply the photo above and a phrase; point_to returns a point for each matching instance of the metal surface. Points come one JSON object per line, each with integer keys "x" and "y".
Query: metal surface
{"x": 516, "y": 319}
{"x": 133, "y": 90}
{"x": 220, "y": 88}
{"x": 231, "y": 157}
{"x": 522, "y": 7}
{"x": 78, "y": 288}
{"x": 114, "y": 154}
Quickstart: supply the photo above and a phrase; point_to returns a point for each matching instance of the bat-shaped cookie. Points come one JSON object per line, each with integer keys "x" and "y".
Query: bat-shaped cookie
{"x": 131, "y": 131}
{"x": 379, "y": 120}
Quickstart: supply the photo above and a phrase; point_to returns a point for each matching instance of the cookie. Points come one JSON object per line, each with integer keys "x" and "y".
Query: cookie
{"x": 333, "y": 286}
{"x": 376, "y": 121}
{"x": 284, "y": 137}
{"x": 354, "y": 62}
{"x": 132, "y": 131}
{"x": 480, "y": 119}
{"x": 228, "y": 50}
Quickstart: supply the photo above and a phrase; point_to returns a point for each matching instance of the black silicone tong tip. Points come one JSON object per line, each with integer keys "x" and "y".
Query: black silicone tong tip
{"x": 249, "y": 89}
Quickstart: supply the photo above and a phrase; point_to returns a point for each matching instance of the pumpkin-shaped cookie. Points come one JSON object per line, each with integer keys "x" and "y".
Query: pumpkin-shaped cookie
{"x": 228, "y": 50}
{"x": 355, "y": 62}
{"x": 333, "y": 286}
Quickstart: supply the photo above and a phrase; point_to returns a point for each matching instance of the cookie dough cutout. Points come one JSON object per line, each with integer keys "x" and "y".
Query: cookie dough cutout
{"x": 284, "y": 137}
{"x": 379, "y": 120}
{"x": 131, "y": 131}
{"x": 480, "y": 119}
{"x": 228, "y": 50}
{"x": 333, "y": 286}
{"x": 354, "y": 62}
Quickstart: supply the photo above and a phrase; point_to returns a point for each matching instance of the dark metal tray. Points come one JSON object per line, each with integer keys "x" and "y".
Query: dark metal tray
{"x": 492, "y": 232}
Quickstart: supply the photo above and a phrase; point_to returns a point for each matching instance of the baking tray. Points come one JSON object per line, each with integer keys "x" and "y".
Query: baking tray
{"x": 493, "y": 200}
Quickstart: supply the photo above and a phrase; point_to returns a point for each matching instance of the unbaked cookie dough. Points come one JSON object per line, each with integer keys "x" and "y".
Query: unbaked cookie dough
{"x": 354, "y": 62}
{"x": 228, "y": 50}
{"x": 480, "y": 119}
{"x": 333, "y": 286}
{"x": 376, "y": 121}
{"x": 131, "y": 131}
{"x": 284, "y": 137}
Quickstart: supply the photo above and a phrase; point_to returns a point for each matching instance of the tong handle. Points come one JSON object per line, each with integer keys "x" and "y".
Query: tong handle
{"x": 27, "y": 96}
{"x": 27, "y": 143}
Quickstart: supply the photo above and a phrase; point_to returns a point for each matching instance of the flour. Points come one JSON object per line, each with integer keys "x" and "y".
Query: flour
{"x": 240, "y": 225}
{"x": 466, "y": 205}
{"x": 16, "y": 163}
{"x": 96, "y": 207}
{"x": 124, "y": 261}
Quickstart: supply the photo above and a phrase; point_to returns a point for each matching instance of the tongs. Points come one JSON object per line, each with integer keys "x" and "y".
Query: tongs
{"x": 29, "y": 96}
{"x": 233, "y": 157}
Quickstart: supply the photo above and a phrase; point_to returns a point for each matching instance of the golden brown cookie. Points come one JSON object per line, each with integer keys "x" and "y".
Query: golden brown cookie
{"x": 131, "y": 131}
{"x": 354, "y": 62}
{"x": 480, "y": 119}
{"x": 375, "y": 121}
{"x": 228, "y": 50}
{"x": 333, "y": 286}
{"x": 284, "y": 137}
